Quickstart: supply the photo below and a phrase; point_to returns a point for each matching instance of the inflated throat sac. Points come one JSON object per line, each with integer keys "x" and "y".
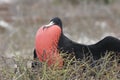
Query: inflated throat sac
{"x": 46, "y": 42}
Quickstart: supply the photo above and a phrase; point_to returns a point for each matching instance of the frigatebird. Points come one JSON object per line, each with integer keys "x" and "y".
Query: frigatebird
{"x": 51, "y": 39}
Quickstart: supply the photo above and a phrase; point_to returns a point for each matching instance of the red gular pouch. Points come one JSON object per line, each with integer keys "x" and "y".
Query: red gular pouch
{"x": 46, "y": 42}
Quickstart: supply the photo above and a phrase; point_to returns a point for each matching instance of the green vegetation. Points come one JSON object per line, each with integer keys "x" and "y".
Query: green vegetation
{"x": 106, "y": 68}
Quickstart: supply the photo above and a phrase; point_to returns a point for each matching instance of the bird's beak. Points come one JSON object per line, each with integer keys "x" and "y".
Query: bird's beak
{"x": 48, "y": 25}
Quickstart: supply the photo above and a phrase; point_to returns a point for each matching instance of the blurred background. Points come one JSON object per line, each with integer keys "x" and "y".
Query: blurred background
{"x": 84, "y": 21}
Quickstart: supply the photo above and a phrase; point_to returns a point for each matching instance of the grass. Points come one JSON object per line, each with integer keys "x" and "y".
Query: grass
{"x": 105, "y": 68}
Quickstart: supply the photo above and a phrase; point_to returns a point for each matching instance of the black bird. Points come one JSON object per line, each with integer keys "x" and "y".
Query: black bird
{"x": 97, "y": 50}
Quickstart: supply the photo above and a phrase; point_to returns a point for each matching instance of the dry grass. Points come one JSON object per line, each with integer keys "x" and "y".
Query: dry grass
{"x": 106, "y": 68}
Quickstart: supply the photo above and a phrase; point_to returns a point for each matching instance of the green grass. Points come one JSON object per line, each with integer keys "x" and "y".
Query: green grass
{"x": 106, "y": 68}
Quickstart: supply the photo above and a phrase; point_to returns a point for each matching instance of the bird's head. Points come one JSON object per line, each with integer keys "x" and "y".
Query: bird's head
{"x": 55, "y": 21}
